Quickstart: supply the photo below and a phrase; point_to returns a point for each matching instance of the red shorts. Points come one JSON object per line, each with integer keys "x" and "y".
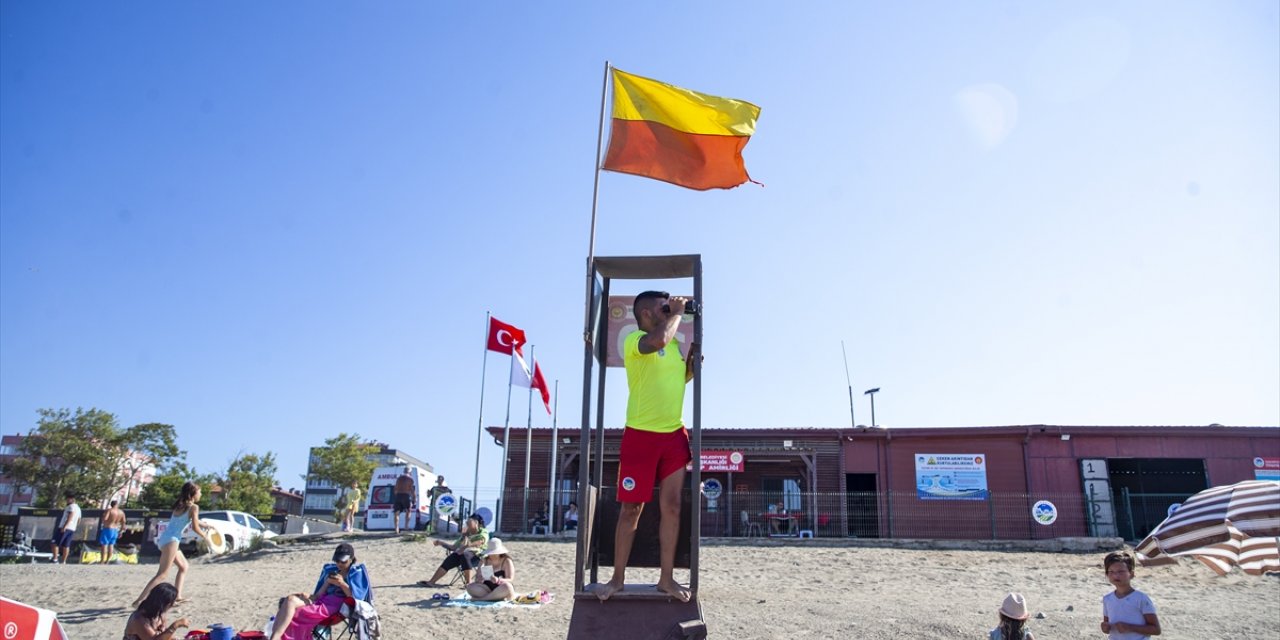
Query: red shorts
{"x": 646, "y": 458}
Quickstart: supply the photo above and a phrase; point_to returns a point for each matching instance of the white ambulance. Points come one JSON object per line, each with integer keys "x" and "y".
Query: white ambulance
{"x": 382, "y": 496}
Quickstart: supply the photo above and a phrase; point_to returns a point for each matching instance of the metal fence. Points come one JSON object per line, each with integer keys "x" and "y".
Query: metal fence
{"x": 897, "y": 514}
{"x": 1138, "y": 513}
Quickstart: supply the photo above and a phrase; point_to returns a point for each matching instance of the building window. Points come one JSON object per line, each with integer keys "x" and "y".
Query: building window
{"x": 320, "y": 501}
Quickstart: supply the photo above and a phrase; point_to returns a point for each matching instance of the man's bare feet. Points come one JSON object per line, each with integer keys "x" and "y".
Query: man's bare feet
{"x": 607, "y": 589}
{"x": 674, "y": 589}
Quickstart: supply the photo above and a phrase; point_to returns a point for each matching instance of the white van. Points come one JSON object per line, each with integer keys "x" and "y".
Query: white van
{"x": 382, "y": 495}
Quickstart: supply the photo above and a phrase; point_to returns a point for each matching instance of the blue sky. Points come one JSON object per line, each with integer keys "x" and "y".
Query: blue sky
{"x": 270, "y": 224}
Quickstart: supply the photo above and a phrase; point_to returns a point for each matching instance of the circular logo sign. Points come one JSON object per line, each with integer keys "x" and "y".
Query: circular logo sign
{"x": 712, "y": 488}
{"x": 1258, "y": 462}
{"x": 1172, "y": 508}
{"x": 10, "y": 630}
{"x": 735, "y": 457}
{"x": 628, "y": 483}
{"x": 1044, "y": 512}
{"x": 446, "y": 504}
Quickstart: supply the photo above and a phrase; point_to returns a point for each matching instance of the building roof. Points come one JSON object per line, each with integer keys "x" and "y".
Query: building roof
{"x": 979, "y": 431}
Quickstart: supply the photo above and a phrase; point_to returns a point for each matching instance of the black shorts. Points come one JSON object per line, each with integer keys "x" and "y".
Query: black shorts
{"x": 403, "y": 502}
{"x": 455, "y": 560}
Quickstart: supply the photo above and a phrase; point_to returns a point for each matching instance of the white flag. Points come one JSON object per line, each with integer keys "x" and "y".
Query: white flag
{"x": 520, "y": 376}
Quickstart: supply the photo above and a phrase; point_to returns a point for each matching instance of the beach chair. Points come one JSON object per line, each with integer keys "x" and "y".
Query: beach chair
{"x": 324, "y": 629}
{"x": 748, "y": 526}
{"x": 346, "y": 624}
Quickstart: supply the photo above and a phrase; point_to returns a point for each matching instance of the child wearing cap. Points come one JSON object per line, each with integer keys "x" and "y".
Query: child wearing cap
{"x": 1013, "y": 619}
{"x": 1127, "y": 614}
{"x": 343, "y": 578}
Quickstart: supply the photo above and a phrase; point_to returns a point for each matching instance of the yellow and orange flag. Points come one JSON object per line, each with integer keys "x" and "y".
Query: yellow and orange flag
{"x": 667, "y": 133}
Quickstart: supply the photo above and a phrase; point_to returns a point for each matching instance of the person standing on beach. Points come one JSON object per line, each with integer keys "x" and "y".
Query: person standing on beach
{"x": 403, "y": 498}
{"x": 440, "y": 489}
{"x": 65, "y": 531}
{"x": 109, "y": 526}
{"x": 1127, "y": 614}
{"x": 655, "y": 443}
{"x": 354, "y": 496}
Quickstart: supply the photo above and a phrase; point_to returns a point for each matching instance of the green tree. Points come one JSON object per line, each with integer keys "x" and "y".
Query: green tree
{"x": 152, "y": 444}
{"x": 86, "y": 452}
{"x": 164, "y": 490}
{"x": 344, "y": 459}
{"x": 248, "y": 482}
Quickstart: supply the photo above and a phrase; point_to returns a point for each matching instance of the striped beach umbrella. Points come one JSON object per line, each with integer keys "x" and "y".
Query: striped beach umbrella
{"x": 1237, "y": 524}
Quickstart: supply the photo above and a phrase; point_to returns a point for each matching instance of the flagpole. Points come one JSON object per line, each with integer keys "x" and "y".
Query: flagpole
{"x": 595, "y": 188}
{"x": 554, "y": 504}
{"x": 528, "y": 443}
{"x": 506, "y": 444}
{"x": 475, "y": 480}
{"x": 587, "y": 346}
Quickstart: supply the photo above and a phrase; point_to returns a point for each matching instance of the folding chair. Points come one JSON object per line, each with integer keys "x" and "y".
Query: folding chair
{"x": 324, "y": 629}
{"x": 748, "y": 526}
{"x": 457, "y": 578}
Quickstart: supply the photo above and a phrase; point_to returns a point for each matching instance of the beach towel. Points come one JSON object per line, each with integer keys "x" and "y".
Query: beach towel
{"x": 531, "y": 600}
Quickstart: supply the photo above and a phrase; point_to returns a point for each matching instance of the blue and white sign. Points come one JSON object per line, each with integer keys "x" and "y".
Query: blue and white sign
{"x": 446, "y": 504}
{"x": 951, "y": 476}
{"x": 1044, "y": 512}
{"x": 712, "y": 489}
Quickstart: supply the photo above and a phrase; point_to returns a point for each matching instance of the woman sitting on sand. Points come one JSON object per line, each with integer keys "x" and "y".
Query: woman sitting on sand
{"x": 493, "y": 580}
{"x": 147, "y": 622}
{"x": 343, "y": 578}
{"x": 185, "y": 512}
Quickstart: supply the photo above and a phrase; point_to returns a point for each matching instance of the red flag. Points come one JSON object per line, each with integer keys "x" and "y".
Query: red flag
{"x": 503, "y": 337}
{"x": 540, "y": 384}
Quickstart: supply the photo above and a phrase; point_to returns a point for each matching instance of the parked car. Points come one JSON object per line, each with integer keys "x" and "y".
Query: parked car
{"x": 238, "y": 529}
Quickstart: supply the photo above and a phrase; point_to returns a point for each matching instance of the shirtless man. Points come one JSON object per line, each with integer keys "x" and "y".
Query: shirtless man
{"x": 109, "y": 527}
{"x": 404, "y": 498}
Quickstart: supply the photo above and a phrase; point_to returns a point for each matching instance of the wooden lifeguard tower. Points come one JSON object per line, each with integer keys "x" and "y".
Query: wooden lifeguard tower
{"x": 640, "y": 611}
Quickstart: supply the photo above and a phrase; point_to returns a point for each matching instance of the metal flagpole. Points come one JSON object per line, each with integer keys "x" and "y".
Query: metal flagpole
{"x": 506, "y": 445}
{"x": 475, "y": 480}
{"x": 555, "y": 486}
{"x": 595, "y": 188}
{"x": 852, "y": 423}
{"x": 584, "y": 442}
{"x": 528, "y": 444}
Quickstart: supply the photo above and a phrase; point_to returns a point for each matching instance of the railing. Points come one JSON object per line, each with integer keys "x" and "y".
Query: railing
{"x": 897, "y": 514}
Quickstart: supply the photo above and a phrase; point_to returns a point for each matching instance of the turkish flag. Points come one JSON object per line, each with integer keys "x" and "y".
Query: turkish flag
{"x": 503, "y": 337}
{"x": 540, "y": 383}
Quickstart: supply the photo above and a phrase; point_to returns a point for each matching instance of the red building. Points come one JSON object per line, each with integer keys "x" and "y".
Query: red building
{"x": 957, "y": 482}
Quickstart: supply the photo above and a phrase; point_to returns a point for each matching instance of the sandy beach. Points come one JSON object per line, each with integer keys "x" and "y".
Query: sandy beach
{"x": 747, "y": 591}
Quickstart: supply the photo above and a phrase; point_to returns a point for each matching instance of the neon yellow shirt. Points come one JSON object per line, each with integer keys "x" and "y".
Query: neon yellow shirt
{"x": 656, "y": 385}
